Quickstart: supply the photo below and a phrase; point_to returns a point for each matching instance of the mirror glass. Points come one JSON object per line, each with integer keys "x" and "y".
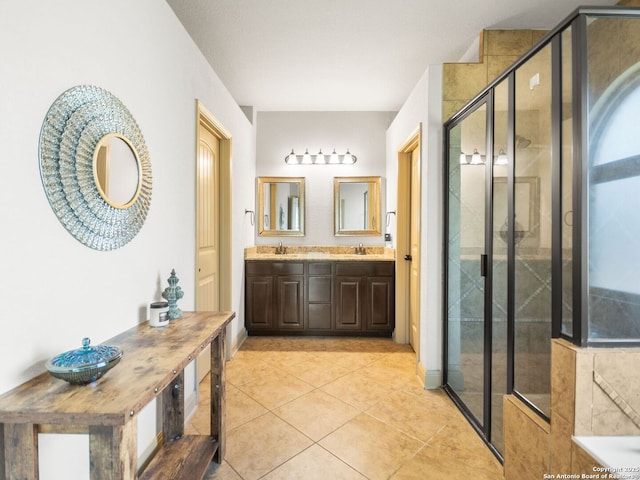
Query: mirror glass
{"x": 117, "y": 171}
{"x": 281, "y": 206}
{"x": 357, "y": 205}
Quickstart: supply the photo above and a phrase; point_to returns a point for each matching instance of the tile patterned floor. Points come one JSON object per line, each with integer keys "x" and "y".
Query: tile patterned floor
{"x": 339, "y": 408}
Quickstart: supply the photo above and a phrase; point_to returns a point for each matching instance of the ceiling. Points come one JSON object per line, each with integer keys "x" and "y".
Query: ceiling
{"x": 346, "y": 55}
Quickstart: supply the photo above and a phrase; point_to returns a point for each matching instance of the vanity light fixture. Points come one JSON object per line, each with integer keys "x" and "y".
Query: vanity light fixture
{"x": 475, "y": 159}
{"x": 320, "y": 159}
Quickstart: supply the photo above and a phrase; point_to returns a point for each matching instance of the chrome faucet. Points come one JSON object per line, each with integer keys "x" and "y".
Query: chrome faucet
{"x": 280, "y": 250}
{"x": 361, "y": 250}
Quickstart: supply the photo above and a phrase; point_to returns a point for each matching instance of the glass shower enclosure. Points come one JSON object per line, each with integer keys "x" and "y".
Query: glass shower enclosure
{"x": 542, "y": 225}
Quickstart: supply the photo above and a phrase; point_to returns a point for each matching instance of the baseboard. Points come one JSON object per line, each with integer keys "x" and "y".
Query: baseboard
{"x": 240, "y": 339}
{"x": 190, "y": 404}
{"x": 148, "y": 453}
{"x": 432, "y": 379}
{"x": 421, "y": 373}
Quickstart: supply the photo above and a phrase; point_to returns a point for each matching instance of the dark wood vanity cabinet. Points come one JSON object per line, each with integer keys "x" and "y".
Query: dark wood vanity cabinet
{"x": 365, "y": 296}
{"x": 274, "y": 296}
{"x": 320, "y": 297}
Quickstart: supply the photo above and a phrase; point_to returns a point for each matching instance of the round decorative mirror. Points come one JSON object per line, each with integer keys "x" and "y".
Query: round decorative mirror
{"x": 95, "y": 167}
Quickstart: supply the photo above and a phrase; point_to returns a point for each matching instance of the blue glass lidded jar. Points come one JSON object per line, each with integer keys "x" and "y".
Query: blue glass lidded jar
{"x": 86, "y": 364}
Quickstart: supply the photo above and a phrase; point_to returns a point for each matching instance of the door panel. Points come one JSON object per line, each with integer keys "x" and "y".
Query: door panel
{"x": 207, "y": 297}
{"x": 260, "y": 302}
{"x": 207, "y": 238}
{"x": 349, "y": 303}
{"x": 499, "y": 267}
{"x": 291, "y": 302}
{"x": 380, "y": 303}
{"x": 414, "y": 243}
{"x": 532, "y": 225}
{"x": 466, "y": 244}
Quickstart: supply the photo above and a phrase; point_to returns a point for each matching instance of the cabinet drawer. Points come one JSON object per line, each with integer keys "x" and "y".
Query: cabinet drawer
{"x": 319, "y": 316}
{"x": 320, "y": 289}
{"x": 274, "y": 268}
{"x": 365, "y": 268}
{"x": 322, "y": 268}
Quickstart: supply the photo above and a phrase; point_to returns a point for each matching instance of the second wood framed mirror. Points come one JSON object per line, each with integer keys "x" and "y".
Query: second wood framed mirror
{"x": 356, "y": 206}
{"x": 281, "y": 206}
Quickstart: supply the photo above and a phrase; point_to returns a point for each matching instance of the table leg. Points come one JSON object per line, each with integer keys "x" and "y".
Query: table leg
{"x": 113, "y": 451}
{"x": 173, "y": 409}
{"x": 19, "y": 452}
{"x": 218, "y": 359}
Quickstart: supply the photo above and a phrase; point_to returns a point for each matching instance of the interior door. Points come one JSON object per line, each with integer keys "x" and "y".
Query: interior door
{"x": 414, "y": 248}
{"x": 207, "y": 237}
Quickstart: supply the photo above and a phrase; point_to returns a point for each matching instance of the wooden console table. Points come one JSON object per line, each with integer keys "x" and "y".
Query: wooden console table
{"x": 152, "y": 367}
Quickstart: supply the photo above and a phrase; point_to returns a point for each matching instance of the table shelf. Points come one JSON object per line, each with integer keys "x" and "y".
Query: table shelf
{"x": 183, "y": 459}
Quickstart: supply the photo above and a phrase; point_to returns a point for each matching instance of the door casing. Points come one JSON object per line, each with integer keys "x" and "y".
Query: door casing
{"x": 207, "y": 120}
{"x": 408, "y": 226}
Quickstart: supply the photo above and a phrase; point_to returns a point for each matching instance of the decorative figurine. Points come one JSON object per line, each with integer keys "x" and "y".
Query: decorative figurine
{"x": 172, "y": 294}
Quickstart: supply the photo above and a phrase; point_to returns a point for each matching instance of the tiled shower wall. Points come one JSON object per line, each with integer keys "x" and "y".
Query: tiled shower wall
{"x": 498, "y": 50}
{"x": 532, "y": 317}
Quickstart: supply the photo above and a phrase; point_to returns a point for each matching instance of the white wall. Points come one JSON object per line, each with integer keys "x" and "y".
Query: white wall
{"x": 363, "y": 133}
{"x": 54, "y": 289}
{"x": 424, "y": 108}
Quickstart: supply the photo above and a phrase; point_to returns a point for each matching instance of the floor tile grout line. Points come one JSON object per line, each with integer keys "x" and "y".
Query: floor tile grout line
{"x": 285, "y": 461}
{"x": 361, "y": 411}
{"x": 422, "y": 443}
{"x": 384, "y": 360}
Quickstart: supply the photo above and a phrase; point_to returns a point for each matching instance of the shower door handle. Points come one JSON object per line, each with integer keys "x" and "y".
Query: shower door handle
{"x": 483, "y": 265}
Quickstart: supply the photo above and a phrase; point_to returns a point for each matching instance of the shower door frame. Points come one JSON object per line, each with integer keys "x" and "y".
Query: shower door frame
{"x": 486, "y": 260}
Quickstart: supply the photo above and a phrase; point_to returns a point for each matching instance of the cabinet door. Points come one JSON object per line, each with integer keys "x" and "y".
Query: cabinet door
{"x": 260, "y": 303}
{"x": 291, "y": 302}
{"x": 380, "y": 298}
{"x": 349, "y": 303}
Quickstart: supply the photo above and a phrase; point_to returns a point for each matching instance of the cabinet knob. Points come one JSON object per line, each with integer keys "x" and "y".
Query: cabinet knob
{"x": 408, "y": 258}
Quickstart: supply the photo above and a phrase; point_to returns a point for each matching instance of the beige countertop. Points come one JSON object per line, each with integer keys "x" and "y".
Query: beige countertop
{"x": 318, "y": 252}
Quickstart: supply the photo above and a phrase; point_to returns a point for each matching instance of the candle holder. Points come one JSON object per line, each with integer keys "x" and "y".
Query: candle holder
{"x": 172, "y": 294}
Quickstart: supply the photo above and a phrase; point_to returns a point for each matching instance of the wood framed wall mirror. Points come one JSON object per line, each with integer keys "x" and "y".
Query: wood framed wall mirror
{"x": 281, "y": 206}
{"x": 356, "y": 206}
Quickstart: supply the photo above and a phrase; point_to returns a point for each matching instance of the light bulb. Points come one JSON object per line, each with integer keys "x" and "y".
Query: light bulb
{"x": 334, "y": 157}
{"x": 476, "y": 159}
{"x": 306, "y": 158}
{"x": 320, "y": 158}
{"x": 502, "y": 158}
{"x": 348, "y": 158}
{"x": 291, "y": 159}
